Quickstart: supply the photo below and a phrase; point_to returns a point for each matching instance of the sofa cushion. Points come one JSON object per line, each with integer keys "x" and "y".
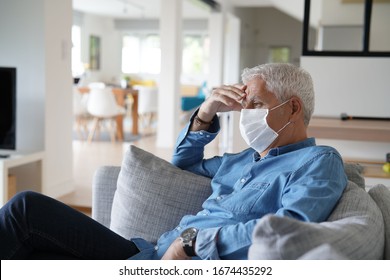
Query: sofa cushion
{"x": 151, "y": 187}
{"x": 381, "y": 195}
{"x": 324, "y": 251}
{"x": 354, "y": 174}
{"x": 354, "y": 230}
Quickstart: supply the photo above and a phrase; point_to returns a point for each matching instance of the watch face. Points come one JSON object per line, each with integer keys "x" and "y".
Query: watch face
{"x": 189, "y": 234}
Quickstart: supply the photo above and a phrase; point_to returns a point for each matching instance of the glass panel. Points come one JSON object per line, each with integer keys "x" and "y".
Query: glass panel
{"x": 380, "y": 26}
{"x": 336, "y": 26}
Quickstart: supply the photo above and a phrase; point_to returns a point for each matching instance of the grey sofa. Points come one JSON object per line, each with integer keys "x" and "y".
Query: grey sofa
{"x": 147, "y": 196}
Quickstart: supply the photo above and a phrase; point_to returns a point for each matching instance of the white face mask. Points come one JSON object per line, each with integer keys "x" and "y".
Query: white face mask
{"x": 255, "y": 129}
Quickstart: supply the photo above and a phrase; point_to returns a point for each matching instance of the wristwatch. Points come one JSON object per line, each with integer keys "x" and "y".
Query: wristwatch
{"x": 188, "y": 237}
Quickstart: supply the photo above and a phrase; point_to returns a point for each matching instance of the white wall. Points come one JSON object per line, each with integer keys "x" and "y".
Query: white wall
{"x": 354, "y": 85}
{"x": 35, "y": 38}
{"x": 22, "y": 46}
{"x": 263, "y": 28}
{"x": 111, "y": 47}
{"x": 294, "y": 8}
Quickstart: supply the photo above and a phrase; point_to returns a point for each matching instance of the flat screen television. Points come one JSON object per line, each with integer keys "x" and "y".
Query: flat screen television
{"x": 7, "y": 109}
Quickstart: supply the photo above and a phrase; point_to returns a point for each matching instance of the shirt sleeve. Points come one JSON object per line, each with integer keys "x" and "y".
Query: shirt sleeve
{"x": 189, "y": 150}
{"x": 314, "y": 189}
{"x": 227, "y": 242}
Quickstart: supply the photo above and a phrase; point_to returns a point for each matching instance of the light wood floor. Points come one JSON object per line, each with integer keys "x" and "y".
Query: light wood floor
{"x": 87, "y": 157}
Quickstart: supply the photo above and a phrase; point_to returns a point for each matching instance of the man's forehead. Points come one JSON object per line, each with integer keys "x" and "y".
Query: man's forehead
{"x": 256, "y": 89}
{"x": 256, "y": 86}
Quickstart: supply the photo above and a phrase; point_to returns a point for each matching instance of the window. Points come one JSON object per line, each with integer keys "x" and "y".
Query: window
{"x": 346, "y": 28}
{"x": 141, "y": 54}
{"x": 279, "y": 54}
{"x": 77, "y": 65}
{"x": 195, "y": 54}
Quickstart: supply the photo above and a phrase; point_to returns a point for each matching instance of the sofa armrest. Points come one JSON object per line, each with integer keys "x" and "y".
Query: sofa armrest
{"x": 103, "y": 190}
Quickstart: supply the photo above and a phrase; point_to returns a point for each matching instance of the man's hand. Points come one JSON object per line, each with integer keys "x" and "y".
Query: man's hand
{"x": 222, "y": 99}
{"x": 175, "y": 252}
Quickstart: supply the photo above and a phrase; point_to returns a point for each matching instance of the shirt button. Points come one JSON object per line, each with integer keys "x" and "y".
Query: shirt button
{"x": 156, "y": 248}
{"x": 178, "y": 228}
{"x": 243, "y": 180}
{"x": 219, "y": 197}
{"x": 201, "y": 133}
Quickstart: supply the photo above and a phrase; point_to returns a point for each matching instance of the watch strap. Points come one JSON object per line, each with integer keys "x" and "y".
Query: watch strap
{"x": 189, "y": 250}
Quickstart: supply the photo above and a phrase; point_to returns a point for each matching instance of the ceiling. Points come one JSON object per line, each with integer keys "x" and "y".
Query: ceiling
{"x": 151, "y": 8}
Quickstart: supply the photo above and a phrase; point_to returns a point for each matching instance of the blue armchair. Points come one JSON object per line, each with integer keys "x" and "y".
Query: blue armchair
{"x": 189, "y": 103}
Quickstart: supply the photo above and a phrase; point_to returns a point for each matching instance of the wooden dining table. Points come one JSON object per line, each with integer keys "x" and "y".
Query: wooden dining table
{"x": 120, "y": 96}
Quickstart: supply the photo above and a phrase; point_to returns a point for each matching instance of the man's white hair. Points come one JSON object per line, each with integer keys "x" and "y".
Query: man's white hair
{"x": 285, "y": 80}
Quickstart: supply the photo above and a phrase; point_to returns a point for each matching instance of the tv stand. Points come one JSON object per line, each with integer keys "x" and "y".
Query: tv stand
{"x": 27, "y": 169}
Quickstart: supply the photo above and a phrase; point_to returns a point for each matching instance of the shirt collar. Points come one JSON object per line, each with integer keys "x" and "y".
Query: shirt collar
{"x": 308, "y": 142}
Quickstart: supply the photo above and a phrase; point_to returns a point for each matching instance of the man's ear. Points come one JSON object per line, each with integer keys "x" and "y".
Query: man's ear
{"x": 296, "y": 108}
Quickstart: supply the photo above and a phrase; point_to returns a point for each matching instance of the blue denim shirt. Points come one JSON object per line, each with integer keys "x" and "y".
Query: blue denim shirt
{"x": 301, "y": 181}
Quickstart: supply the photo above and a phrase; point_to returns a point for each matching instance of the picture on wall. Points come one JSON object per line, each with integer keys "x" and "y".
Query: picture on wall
{"x": 94, "y": 52}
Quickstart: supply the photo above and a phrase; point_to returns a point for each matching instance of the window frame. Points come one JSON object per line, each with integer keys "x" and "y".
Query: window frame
{"x": 366, "y": 36}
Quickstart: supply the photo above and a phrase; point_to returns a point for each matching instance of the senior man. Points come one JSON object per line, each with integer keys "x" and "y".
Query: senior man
{"x": 283, "y": 172}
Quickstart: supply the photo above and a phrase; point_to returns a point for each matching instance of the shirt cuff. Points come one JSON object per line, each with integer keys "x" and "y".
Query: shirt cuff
{"x": 214, "y": 126}
{"x": 206, "y": 244}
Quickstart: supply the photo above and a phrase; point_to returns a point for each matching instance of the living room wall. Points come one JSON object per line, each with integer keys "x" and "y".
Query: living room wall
{"x": 111, "y": 46}
{"x": 35, "y": 38}
{"x": 262, "y": 28}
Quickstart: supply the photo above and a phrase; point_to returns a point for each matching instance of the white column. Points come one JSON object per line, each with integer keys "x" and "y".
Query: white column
{"x": 217, "y": 41}
{"x": 232, "y": 141}
{"x": 58, "y": 164}
{"x": 169, "y": 87}
{"x": 224, "y": 31}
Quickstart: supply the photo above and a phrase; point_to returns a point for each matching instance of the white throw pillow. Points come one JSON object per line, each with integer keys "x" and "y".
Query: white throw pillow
{"x": 354, "y": 230}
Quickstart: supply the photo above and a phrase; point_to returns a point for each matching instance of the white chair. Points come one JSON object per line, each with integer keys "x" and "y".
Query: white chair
{"x": 147, "y": 104}
{"x": 97, "y": 85}
{"x": 80, "y": 112}
{"x": 102, "y": 106}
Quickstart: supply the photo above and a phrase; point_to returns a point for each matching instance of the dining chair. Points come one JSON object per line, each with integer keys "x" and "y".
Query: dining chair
{"x": 80, "y": 113}
{"x": 97, "y": 85}
{"x": 147, "y": 104}
{"x": 103, "y": 107}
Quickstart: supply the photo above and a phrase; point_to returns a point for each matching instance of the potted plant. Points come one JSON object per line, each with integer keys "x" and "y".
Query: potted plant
{"x": 125, "y": 81}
